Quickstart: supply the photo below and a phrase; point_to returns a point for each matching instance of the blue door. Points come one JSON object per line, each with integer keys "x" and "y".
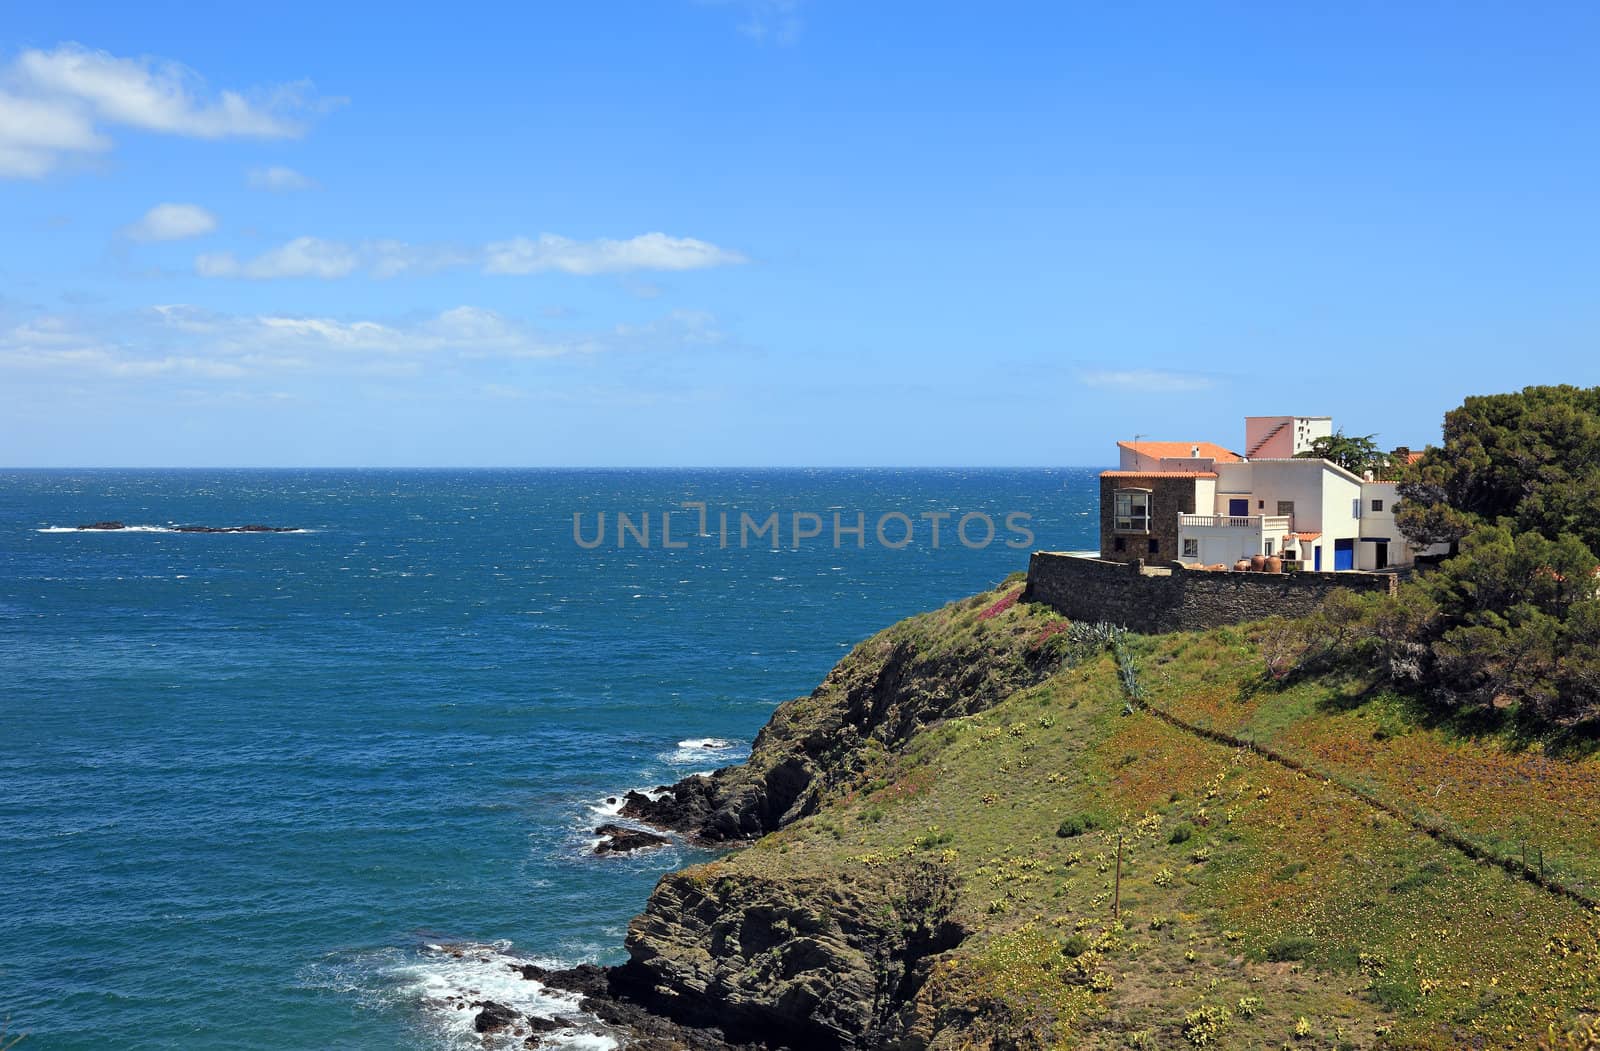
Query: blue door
{"x": 1344, "y": 554}
{"x": 1316, "y": 554}
{"x": 1238, "y": 508}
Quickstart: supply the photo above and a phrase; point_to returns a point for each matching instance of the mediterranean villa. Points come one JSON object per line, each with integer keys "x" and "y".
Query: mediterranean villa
{"x": 1206, "y": 506}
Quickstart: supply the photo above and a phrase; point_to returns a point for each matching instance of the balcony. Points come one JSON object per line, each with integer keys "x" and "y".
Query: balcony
{"x": 1265, "y": 523}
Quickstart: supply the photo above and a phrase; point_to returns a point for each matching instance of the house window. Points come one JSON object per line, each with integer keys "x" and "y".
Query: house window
{"x": 1285, "y": 507}
{"x": 1377, "y": 505}
{"x": 1191, "y": 547}
{"x": 1119, "y": 544}
{"x": 1133, "y": 510}
{"x": 1261, "y": 505}
{"x": 1155, "y": 546}
{"x": 1267, "y": 548}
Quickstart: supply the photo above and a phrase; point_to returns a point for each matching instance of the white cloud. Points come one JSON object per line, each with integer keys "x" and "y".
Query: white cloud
{"x": 1164, "y": 380}
{"x": 184, "y": 340}
{"x": 278, "y": 179}
{"x": 34, "y": 131}
{"x": 315, "y": 257}
{"x": 173, "y": 222}
{"x": 53, "y": 103}
{"x": 772, "y": 20}
{"x": 302, "y": 257}
{"x": 654, "y": 251}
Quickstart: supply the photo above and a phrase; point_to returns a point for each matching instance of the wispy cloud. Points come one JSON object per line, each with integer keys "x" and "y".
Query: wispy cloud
{"x": 655, "y": 251}
{"x": 1161, "y": 380}
{"x": 548, "y": 253}
{"x": 278, "y": 179}
{"x": 172, "y": 222}
{"x": 302, "y": 257}
{"x": 767, "y": 21}
{"x": 54, "y": 104}
{"x": 184, "y": 340}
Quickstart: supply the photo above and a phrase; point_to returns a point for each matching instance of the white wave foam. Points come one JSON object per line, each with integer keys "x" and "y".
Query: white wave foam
{"x": 445, "y": 980}
{"x": 697, "y": 750}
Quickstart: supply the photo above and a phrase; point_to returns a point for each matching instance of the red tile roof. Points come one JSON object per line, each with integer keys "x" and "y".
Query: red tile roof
{"x": 1183, "y": 450}
{"x": 1306, "y": 536}
{"x": 1158, "y": 474}
{"x": 1413, "y": 457}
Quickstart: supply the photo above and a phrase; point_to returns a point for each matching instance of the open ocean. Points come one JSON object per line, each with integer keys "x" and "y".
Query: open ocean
{"x": 247, "y": 779}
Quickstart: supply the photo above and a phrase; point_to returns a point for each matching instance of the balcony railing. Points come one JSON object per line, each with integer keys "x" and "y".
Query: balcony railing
{"x": 1265, "y": 523}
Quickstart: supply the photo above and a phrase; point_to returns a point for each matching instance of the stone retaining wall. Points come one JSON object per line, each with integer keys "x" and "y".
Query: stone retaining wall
{"x": 1178, "y": 599}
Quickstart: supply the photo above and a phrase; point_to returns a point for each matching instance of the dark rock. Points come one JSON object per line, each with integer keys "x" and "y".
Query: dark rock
{"x": 103, "y": 525}
{"x": 531, "y": 971}
{"x": 494, "y": 1017}
{"x": 586, "y": 979}
{"x": 621, "y": 840}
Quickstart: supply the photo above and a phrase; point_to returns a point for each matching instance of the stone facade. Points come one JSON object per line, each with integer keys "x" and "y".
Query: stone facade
{"x": 1152, "y": 600}
{"x": 1170, "y": 496}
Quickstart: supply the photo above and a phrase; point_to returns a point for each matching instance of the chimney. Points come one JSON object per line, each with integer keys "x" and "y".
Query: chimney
{"x": 1194, "y": 452}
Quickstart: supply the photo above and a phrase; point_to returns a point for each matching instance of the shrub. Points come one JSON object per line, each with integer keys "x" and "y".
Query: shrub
{"x": 1293, "y": 947}
{"x": 1075, "y": 946}
{"x": 1077, "y": 825}
{"x": 999, "y": 607}
{"x": 1182, "y": 832}
{"x": 1205, "y": 1025}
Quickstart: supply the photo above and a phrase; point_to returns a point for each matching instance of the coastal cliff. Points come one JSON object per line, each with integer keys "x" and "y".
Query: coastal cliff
{"x": 986, "y": 829}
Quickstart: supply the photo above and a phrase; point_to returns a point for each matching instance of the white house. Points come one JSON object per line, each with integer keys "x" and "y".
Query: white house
{"x": 1311, "y": 512}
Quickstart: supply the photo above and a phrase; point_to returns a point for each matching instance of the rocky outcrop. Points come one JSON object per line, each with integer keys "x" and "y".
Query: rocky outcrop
{"x": 806, "y": 962}
{"x": 619, "y": 839}
{"x": 233, "y": 529}
{"x": 111, "y": 526}
{"x": 888, "y": 688}
{"x": 776, "y": 957}
{"x": 493, "y": 1017}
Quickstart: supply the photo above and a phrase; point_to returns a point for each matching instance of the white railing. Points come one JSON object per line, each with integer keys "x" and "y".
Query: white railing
{"x": 1265, "y": 523}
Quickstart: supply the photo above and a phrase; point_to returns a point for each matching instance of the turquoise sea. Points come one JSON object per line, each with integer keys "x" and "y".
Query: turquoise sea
{"x": 247, "y": 780}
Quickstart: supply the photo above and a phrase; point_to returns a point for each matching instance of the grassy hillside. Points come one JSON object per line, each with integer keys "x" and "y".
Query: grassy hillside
{"x": 1260, "y": 906}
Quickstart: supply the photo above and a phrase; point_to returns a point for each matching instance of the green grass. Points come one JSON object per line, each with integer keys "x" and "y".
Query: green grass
{"x": 1242, "y": 882}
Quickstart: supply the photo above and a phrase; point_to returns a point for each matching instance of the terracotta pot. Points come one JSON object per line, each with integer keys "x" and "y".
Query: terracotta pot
{"x": 1258, "y": 563}
{"x": 1274, "y": 564}
{"x": 1242, "y": 566}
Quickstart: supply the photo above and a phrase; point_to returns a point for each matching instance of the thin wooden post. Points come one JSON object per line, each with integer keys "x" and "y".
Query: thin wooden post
{"x": 1116, "y": 901}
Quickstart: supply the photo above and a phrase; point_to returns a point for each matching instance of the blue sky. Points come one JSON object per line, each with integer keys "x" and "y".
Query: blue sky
{"x": 758, "y": 232}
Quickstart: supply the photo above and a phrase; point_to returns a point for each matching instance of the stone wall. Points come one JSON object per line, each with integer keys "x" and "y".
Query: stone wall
{"x": 1152, "y": 600}
{"x": 1170, "y": 496}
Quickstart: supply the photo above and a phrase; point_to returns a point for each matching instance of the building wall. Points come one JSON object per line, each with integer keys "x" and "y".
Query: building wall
{"x": 1149, "y": 601}
{"x": 1323, "y": 496}
{"x": 1170, "y": 495}
{"x": 1284, "y": 436}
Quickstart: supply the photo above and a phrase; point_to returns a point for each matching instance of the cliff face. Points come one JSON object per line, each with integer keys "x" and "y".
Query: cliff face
{"x": 806, "y": 960}
{"x": 964, "y": 838}
{"x": 914, "y": 674}
{"x": 818, "y": 959}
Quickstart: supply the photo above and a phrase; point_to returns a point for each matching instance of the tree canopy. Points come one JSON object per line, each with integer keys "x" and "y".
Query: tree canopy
{"x": 1354, "y": 453}
{"x": 1512, "y": 619}
{"x": 1532, "y": 457}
